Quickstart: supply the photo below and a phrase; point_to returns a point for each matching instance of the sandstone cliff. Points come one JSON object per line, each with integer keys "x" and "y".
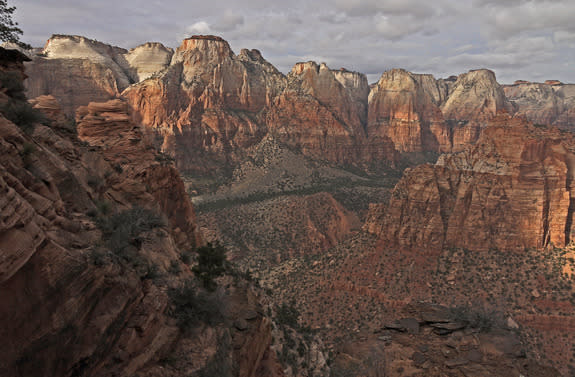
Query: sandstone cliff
{"x": 510, "y": 191}
{"x": 77, "y": 70}
{"x": 422, "y": 114}
{"x": 405, "y": 107}
{"x": 549, "y": 103}
{"x": 204, "y": 105}
{"x": 203, "y": 109}
{"x": 323, "y": 114}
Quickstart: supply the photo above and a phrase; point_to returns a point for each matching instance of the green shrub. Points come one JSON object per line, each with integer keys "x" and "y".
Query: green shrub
{"x": 287, "y": 314}
{"x": 175, "y": 268}
{"x": 13, "y": 84}
{"x": 186, "y": 257}
{"x": 192, "y": 308}
{"x": 121, "y": 234}
{"x": 211, "y": 264}
{"x": 477, "y": 317}
{"x": 28, "y": 150}
{"x": 22, "y": 114}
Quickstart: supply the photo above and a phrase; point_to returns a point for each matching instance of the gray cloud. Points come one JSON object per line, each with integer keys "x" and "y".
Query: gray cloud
{"x": 524, "y": 39}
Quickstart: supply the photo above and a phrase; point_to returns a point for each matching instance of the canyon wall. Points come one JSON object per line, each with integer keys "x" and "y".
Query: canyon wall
{"x": 512, "y": 190}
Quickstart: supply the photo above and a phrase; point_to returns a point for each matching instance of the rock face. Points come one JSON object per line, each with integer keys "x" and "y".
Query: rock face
{"x": 421, "y": 114}
{"x": 551, "y": 103}
{"x": 405, "y": 107}
{"x": 145, "y": 60}
{"x": 510, "y": 191}
{"x": 323, "y": 114}
{"x": 203, "y": 109}
{"x": 475, "y": 96}
{"x": 205, "y": 106}
{"x": 77, "y": 70}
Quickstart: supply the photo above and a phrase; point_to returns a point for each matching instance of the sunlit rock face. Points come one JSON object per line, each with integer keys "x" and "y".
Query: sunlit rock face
{"x": 549, "y": 103}
{"x": 511, "y": 190}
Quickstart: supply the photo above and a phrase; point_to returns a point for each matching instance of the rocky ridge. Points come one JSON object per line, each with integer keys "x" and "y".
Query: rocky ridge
{"x": 207, "y": 105}
{"x": 77, "y": 70}
{"x": 549, "y": 103}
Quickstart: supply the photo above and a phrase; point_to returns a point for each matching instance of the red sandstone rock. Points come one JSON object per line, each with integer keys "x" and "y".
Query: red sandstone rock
{"x": 405, "y": 107}
{"x": 510, "y": 191}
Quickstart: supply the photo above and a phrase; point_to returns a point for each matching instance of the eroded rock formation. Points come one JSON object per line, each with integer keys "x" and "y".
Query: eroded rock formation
{"x": 205, "y": 105}
{"x": 77, "y": 70}
{"x": 550, "y": 103}
{"x": 510, "y": 191}
{"x": 405, "y": 107}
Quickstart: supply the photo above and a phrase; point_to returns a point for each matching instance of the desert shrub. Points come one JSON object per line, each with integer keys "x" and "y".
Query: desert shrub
{"x": 121, "y": 235}
{"x": 22, "y": 114}
{"x": 287, "y": 314}
{"x": 211, "y": 264}
{"x": 220, "y": 364}
{"x": 13, "y": 84}
{"x": 130, "y": 223}
{"x": 186, "y": 257}
{"x": 192, "y": 307}
{"x": 28, "y": 150}
{"x": 175, "y": 268}
{"x": 118, "y": 168}
{"x": 96, "y": 183}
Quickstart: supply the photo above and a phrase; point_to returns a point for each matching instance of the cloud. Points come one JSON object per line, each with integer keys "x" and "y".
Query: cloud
{"x": 229, "y": 21}
{"x": 200, "y": 27}
{"x": 527, "y": 39}
{"x": 510, "y": 18}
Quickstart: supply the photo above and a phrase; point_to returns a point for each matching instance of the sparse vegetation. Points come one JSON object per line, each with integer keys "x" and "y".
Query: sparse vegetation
{"x": 287, "y": 314}
{"x": 122, "y": 236}
{"x": 211, "y": 264}
{"x": 192, "y": 306}
{"x": 478, "y": 317}
{"x": 9, "y": 30}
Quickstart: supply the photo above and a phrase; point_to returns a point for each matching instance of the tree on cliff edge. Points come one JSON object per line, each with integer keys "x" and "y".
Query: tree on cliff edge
{"x": 9, "y": 30}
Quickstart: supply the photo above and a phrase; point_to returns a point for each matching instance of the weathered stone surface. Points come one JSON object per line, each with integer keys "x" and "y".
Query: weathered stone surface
{"x": 146, "y": 60}
{"x": 510, "y": 191}
{"x": 205, "y": 106}
{"x": 77, "y": 70}
{"x": 551, "y": 103}
{"x": 72, "y": 305}
{"x": 405, "y": 107}
{"x": 476, "y": 96}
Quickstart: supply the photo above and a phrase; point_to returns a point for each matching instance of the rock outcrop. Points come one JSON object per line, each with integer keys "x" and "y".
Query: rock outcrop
{"x": 323, "y": 114}
{"x": 77, "y": 70}
{"x": 205, "y": 106}
{"x": 203, "y": 109}
{"x": 405, "y": 107}
{"x": 511, "y": 191}
{"x": 550, "y": 103}
{"x": 422, "y": 114}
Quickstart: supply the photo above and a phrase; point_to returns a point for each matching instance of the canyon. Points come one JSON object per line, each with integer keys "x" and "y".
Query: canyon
{"x": 418, "y": 226}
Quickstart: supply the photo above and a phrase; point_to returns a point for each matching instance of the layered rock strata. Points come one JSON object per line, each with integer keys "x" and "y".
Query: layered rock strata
{"x": 511, "y": 191}
{"x": 549, "y": 103}
{"x": 77, "y": 70}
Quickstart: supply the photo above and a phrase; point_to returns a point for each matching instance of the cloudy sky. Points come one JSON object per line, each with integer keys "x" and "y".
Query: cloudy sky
{"x": 518, "y": 39}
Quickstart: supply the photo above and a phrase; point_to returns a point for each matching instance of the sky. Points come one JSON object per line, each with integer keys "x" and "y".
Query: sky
{"x": 518, "y": 39}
